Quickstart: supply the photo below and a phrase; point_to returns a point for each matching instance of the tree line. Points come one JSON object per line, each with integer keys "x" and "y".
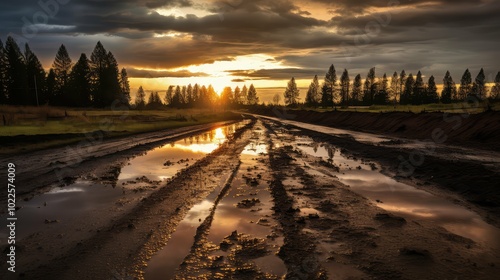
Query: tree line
{"x": 400, "y": 89}
{"x": 94, "y": 82}
{"x": 196, "y": 96}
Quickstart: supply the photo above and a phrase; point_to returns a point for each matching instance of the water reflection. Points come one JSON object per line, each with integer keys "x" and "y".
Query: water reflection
{"x": 401, "y": 198}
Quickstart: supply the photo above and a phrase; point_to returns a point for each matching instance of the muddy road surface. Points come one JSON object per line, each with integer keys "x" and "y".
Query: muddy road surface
{"x": 257, "y": 199}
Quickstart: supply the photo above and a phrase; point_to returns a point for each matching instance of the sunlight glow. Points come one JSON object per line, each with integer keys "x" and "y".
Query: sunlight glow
{"x": 183, "y": 12}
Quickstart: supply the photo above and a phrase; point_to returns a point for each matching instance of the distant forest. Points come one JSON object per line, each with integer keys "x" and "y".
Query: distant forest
{"x": 402, "y": 89}
{"x": 95, "y": 82}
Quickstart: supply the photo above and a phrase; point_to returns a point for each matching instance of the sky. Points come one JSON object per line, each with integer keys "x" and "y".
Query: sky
{"x": 238, "y": 42}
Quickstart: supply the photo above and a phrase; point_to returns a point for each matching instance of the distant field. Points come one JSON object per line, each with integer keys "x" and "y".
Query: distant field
{"x": 33, "y": 128}
{"x": 450, "y": 108}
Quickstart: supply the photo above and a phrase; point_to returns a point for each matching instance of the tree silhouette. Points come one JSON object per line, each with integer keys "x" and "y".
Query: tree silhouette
{"x": 62, "y": 68}
{"x": 140, "y": 99}
{"x": 418, "y": 90}
{"x": 479, "y": 86}
{"x": 344, "y": 87}
{"x": 394, "y": 87}
{"x": 292, "y": 93}
{"x": 382, "y": 95}
{"x": 313, "y": 96}
{"x": 79, "y": 84}
{"x": 35, "y": 78}
{"x": 329, "y": 87}
{"x": 406, "y": 95}
{"x": 169, "y": 96}
{"x": 370, "y": 87}
{"x": 124, "y": 87}
{"x": 17, "y": 89}
{"x": 252, "y": 98}
{"x": 465, "y": 86}
{"x": 449, "y": 89}
{"x": 431, "y": 95}
{"x": 226, "y": 97}
{"x": 357, "y": 89}
{"x": 237, "y": 95}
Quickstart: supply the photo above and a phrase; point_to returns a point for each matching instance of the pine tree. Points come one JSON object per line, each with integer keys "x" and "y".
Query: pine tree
{"x": 189, "y": 95}
{"x": 196, "y": 94}
{"x": 226, "y": 97}
{"x": 313, "y": 96}
{"x": 35, "y": 78}
{"x": 394, "y": 87}
{"x": 183, "y": 95}
{"x": 357, "y": 88}
{"x": 479, "y": 86}
{"x": 237, "y": 95}
{"x": 62, "y": 67}
{"x": 3, "y": 74}
{"x": 169, "y": 96}
{"x": 418, "y": 90}
{"x": 406, "y": 95}
{"x": 401, "y": 82}
{"x": 495, "y": 90}
{"x": 154, "y": 101}
{"x": 112, "y": 89}
{"x": 292, "y": 93}
{"x": 244, "y": 93}
{"x": 329, "y": 87}
{"x": 140, "y": 99}
{"x": 79, "y": 86}
{"x": 449, "y": 89}
{"x": 176, "y": 99}
{"x": 252, "y": 98}
{"x": 105, "y": 77}
{"x": 431, "y": 95}
{"x": 382, "y": 96}
{"x": 344, "y": 87}
{"x": 465, "y": 86}
{"x": 370, "y": 87}
{"x": 212, "y": 95}
{"x": 17, "y": 89}
{"x": 124, "y": 87}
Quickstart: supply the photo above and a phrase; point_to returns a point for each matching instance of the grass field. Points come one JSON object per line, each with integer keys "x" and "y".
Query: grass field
{"x": 42, "y": 127}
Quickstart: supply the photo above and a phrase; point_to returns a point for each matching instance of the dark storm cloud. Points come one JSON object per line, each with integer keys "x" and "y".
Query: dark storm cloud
{"x": 430, "y": 34}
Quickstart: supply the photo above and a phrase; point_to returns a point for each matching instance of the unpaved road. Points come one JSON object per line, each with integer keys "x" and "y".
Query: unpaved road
{"x": 271, "y": 201}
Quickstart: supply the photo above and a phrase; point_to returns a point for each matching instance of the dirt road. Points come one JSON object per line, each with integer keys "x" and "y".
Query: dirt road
{"x": 256, "y": 200}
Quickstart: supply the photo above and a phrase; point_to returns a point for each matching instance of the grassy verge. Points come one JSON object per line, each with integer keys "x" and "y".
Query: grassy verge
{"x": 25, "y": 129}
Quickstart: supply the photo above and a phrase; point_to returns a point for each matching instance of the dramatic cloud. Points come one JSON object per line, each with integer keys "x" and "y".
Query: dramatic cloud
{"x": 305, "y": 36}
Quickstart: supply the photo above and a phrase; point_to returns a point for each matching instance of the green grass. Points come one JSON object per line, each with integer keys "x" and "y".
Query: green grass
{"x": 48, "y": 121}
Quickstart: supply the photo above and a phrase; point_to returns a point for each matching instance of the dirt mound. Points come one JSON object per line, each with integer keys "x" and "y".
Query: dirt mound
{"x": 481, "y": 130}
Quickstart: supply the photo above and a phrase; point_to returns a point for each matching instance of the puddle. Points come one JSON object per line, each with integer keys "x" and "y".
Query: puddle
{"x": 62, "y": 207}
{"x": 246, "y": 208}
{"x": 165, "y": 262}
{"x": 403, "y": 199}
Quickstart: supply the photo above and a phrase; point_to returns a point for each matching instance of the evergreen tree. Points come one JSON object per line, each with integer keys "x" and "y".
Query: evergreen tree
{"x": 394, "y": 87}
{"x": 49, "y": 96}
{"x": 313, "y": 96}
{"x": 276, "y": 99}
{"x": 35, "y": 78}
{"x": 370, "y": 87}
{"x": 154, "y": 101}
{"x": 329, "y": 87}
{"x": 244, "y": 93}
{"x": 140, "y": 99}
{"x": 226, "y": 97}
{"x": 112, "y": 89}
{"x": 17, "y": 89}
{"x": 344, "y": 87}
{"x": 479, "y": 86}
{"x": 3, "y": 74}
{"x": 252, "y": 98}
{"x": 124, "y": 87}
{"x": 189, "y": 95}
{"x": 212, "y": 95}
{"x": 204, "y": 101}
{"x": 237, "y": 95}
{"x": 382, "y": 96}
{"x": 357, "y": 88}
{"x": 292, "y": 93}
{"x": 431, "y": 95}
{"x": 183, "y": 95}
{"x": 406, "y": 95}
{"x": 465, "y": 86}
{"x": 418, "y": 90}
{"x": 495, "y": 90}
{"x": 449, "y": 89}
{"x": 402, "y": 82}
{"x": 176, "y": 99}
{"x": 62, "y": 68}
{"x": 196, "y": 94}
{"x": 169, "y": 96}
{"x": 105, "y": 77}
{"x": 79, "y": 86}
